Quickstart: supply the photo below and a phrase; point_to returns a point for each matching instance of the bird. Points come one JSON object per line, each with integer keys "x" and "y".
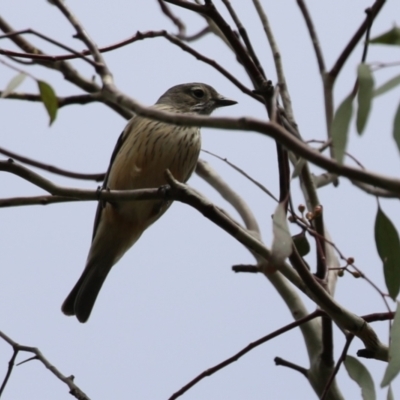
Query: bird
{"x": 144, "y": 151}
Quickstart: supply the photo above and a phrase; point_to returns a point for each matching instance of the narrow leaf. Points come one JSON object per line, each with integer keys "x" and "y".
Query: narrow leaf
{"x": 301, "y": 243}
{"x": 388, "y": 246}
{"x": 391, "y": 37}
{"x": 389, "y": 85}
{"x": 365, "y": 93}
{"x": 361, "y": 376}
{"x": 298, "y": 167}
{"x": 390, "y": 394}
{"x": 340, "y": 127}
{"x": 393, "y": 366}
{"x": 13, "y": 84}
{"x": 49, "y": 99}
{"x": 396, "y": 127}
{"x": 282, "y": 240}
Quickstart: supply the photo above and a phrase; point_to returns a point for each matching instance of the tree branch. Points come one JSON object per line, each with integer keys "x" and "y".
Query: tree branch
{"x": 342, "y": 357}
{"x": 81, "y": 99}
{"x": 288, "y": 364}
{"x": 270, "y": 129}
{"x": 66, "y": 69}
{"x": 313, "y": 35}
{"x": 69, "y": 381}
{"x": 244, "y": 351}
{"x": 55, "y": 170}
{"x": 374, "y": 10}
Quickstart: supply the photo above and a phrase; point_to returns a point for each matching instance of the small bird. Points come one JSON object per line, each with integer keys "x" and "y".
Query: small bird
{"x": 145, "y": 149}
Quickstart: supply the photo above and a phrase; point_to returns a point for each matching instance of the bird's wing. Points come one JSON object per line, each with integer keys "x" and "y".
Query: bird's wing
{"x": 117, "y": 148}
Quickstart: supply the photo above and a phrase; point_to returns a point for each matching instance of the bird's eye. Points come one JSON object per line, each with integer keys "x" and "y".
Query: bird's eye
{"x": 199, "y": 93}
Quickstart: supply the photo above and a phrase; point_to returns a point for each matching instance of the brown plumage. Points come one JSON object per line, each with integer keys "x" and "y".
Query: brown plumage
{"x": 145, "y": 149}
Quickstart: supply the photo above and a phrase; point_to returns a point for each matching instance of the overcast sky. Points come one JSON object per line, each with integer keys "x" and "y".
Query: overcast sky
{"x": 172, "y": 307}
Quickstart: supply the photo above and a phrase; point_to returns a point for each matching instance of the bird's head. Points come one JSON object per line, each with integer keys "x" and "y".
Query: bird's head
{"x": 194, "y": 98}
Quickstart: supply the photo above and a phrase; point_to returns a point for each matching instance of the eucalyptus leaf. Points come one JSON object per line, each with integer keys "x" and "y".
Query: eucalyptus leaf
{"x": 364, "y": 97}
{"x": 301, "y": 243}
{"x": 13, "y": 84}
{"x": 391, "y": 37}
{"x": 359, "y": 373}
{"x": 282, "y": 240}
{"x": 390, "y": 394}
{"x": 49, "y": 99}
{"x": 388, "y": 246}
{"x": 340, "y": 128}
{"x": 393, "y": 366}
{"x": 396, "y": 127}
{"x": 389, "y": 85}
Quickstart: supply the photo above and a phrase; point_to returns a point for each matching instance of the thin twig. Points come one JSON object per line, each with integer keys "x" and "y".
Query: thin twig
{"x": 61, "y": 101}
{"x": 287, "y": 103}
{"x": 50, "y": 40}
{"x": 66, "y": 69}
{"x": 209, "y": 10}
{"x": 69, "y": 381}
{"x": 288, "y": 364}
{"x": 50, "y": 168}
{"x": 244, "y": 351}
{"x": 10, "y": 368}
{"x": 374, "y": 10}
{"x": 244, "y": 35}
{"x": 175, "y": 20}
{"x": 195, "y": 36}
{"x": 246, "y": 175}
{"x": 349, "y": 338}
{"x": 101, "y": 66}
{"x": 313, "y": 35}
{"x": 141, "y": 36}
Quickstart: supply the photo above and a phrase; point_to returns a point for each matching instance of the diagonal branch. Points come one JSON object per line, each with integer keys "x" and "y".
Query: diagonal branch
{"x": 69, "y": 381}
{"x": 373, "y": 12}
{"x": 50, "y": 168}
{"x": 270, "y": 129}
{"x": 313, "y": 35}
{"x": 244, "y": 351}
{"x": 81, "y": 33}
{"x": 66, "y": 69}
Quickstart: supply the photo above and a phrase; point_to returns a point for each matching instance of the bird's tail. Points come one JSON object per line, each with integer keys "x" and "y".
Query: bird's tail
{"x": 82, "y": 297}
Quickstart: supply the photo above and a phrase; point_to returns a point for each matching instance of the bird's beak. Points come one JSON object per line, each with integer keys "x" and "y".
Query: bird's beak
{"x": 222, "y": 101}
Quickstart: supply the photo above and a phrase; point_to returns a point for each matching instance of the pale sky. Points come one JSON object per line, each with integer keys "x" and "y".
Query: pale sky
{"x": 172, "y": 307}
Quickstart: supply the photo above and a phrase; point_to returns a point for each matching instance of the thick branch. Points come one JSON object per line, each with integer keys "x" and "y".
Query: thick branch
{"x": 270, "y": 129}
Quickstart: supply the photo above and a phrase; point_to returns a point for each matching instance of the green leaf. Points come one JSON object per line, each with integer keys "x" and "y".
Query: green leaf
{"x": 13, "y": 84}
{"x": 49, "y": 99}
{"x": 361, "y": 376}
{"x": 301, "y": 243}
{"x": 282, "y": 240}
{"x": 389, "y": 85}
{"x": 388, "y": 246}
{"x": 298, "y": 167}
{"x": 393, "y": 366}
{"x": 391, "y": 37}
{"x": 396, "y": 127}
{"x": 340, "y": 128}
{"x": 365, "y": 93}
{"x": 390, "y": 394}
